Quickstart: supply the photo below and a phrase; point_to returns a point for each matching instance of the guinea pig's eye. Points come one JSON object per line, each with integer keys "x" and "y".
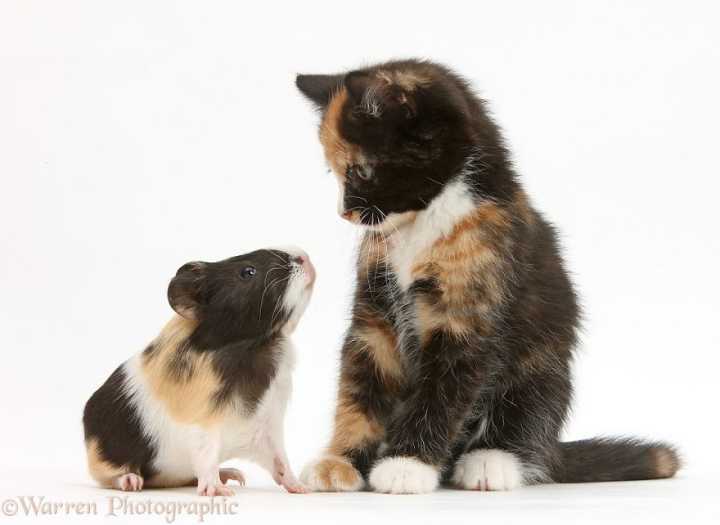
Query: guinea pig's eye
{"x": 248, "y": 272}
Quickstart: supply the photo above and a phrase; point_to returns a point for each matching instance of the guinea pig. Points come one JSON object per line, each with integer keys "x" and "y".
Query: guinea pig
{"x": 212, "y": 386}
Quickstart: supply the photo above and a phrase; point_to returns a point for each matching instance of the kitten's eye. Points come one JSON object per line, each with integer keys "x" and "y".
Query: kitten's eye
{"x": 248, "y": 272}
{"x": 360, "y": 172}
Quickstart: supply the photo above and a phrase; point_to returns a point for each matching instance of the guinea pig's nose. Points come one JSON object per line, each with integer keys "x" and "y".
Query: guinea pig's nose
{"x": 299, "y": 259}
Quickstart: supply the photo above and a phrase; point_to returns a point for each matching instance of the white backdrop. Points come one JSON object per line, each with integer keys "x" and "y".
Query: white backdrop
{"x": 136, "y": 136}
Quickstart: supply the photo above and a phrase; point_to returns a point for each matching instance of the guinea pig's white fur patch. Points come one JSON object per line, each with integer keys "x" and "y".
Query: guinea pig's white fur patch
{"x": 181, "y": 447}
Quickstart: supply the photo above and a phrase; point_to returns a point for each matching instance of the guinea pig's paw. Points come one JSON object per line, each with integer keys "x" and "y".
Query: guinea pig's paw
{"x": 403, "y": 475}
{"x": 295, "y": 487}
{"x": 213, "y": 487}
{"x": 129, "y": 482}
{"x": 487, "y": 469}
{"x": 226, "y": 474}
{"x": 331, "y": 474}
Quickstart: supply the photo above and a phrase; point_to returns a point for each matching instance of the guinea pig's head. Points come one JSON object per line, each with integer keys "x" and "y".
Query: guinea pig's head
{"x": 259, "y": 293}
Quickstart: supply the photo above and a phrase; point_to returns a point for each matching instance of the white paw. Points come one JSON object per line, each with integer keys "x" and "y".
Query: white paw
{"x": 129, "y": 482}
{"x": 488, "y": 469}
{"x": 403, "y": 475}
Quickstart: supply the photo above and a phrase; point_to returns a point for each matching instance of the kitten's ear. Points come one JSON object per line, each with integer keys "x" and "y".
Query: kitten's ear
{"x": 319, "y": 88}
{"x": 379, "y": 97}
{"x": 358, "y": 83}
{"x": 186, "y": 292}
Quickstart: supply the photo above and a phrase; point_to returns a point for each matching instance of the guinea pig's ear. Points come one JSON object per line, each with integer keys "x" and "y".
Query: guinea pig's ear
{"x": 319, "y": 88}
{"x": 186, "y": 292}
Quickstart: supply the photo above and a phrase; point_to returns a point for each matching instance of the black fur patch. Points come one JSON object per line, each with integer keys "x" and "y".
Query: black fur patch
{"x": 110, "y": 418}
{"x": 246, "y": 369}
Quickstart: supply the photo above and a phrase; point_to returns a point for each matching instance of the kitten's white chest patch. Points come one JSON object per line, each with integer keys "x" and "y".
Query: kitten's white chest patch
{"x": 453, "y": 203}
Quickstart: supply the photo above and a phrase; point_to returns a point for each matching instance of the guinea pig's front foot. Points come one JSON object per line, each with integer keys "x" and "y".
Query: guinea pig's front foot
{"x": 293, "y": 486}
{"x": 227, "y": 474}
{"x": 213, "y": 486}
{"x": 284, "y": 477}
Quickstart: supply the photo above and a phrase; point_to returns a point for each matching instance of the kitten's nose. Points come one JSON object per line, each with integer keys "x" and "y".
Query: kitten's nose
{"x": 346, "y": 215}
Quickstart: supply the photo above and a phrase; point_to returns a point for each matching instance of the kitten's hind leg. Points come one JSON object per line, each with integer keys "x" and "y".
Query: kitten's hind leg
{"x": 514, "y": 443}
{"x": 488, "y": 469}
{"x": 476, "y": 465}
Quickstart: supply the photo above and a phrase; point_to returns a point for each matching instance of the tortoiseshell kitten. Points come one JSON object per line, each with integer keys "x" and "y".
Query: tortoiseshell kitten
{"x": 456, "y": 365}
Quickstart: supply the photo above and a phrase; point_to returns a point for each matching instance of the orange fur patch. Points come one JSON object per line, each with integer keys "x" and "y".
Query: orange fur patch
{"x": 339, "y": 153}
{"x": 467, "y": 268}
{"x": 334, "y": 472}
{"x": 380, "y": 343}
{"x": 188, "y": 399}
{"x": 666, "y": 462}
{"x": 102, "y": 471}
{"x": 352, "y": 425}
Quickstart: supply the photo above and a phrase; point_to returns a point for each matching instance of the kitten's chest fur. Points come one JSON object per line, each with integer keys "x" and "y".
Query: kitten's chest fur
{"x": 411, "y": 246}
{"x": 403, "y": 280}
{"x": 411, "y": 291}
{"x": 443, "y": 272}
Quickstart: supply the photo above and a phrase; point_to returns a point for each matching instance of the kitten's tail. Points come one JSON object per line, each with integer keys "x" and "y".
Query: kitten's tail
{"x": 615, "y": 459}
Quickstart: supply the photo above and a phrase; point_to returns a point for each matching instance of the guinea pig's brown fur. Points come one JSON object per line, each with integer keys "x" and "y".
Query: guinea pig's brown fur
{"x": 213, "y": 385}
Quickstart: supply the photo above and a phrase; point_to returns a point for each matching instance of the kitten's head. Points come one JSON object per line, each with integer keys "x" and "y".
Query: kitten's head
{"x": 395, "y": 134}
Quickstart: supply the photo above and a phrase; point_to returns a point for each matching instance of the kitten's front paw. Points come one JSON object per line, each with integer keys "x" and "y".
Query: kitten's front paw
{"x": 488, "y": 469}
{"x": 331, "y": 474}
{"x": 403, "y": 475}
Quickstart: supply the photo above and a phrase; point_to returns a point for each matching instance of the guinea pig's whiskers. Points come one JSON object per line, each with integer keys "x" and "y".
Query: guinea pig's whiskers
{"x": 272, "y": 283}
{"x": 274, "y": 268}
{"x": 267, "y": 275}
{"x": 265, "y": 289}
{"x": 278, "y": 302}
{"x": 274, "y": 253}
{"x": 275, "y": 312}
